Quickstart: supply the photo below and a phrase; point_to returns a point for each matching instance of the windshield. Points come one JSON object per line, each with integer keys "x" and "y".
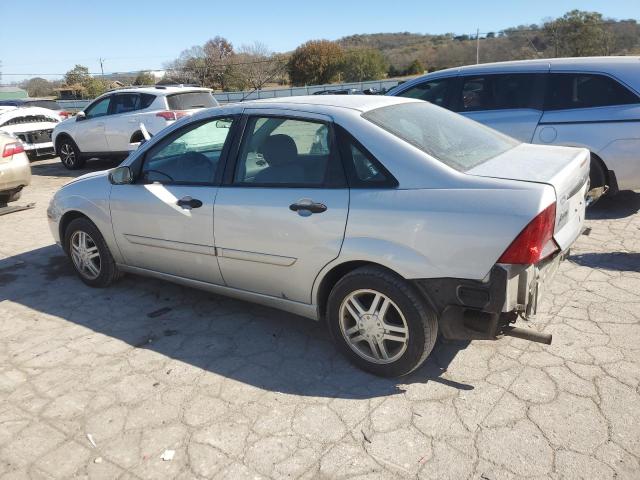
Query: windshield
{"x": 448, "y": 137}
{"x": 189, "y": 100}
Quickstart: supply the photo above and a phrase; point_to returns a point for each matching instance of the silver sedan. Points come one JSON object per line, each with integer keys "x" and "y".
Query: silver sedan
{"x": 390, "y": 219}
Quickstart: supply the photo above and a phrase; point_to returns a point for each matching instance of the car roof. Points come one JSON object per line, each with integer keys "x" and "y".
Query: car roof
{"x": 160, "y": 89}
{"x": 362, "y": 103}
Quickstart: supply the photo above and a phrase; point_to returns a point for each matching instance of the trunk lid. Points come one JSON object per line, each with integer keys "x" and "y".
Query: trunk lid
{"x": 566, "y": 169}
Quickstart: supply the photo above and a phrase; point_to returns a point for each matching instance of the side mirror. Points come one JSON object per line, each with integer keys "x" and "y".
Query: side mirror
{"x": 121, "y": 176}
{"x": 80, "y": 116}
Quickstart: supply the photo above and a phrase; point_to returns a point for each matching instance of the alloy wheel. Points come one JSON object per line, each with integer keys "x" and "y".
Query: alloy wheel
{"x": 85, "y": 255}
{"x": 373, "y": 326}
{"x": 68, "y": 155}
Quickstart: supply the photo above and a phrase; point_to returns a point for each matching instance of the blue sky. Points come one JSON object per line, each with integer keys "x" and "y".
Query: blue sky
{"x": 52, "y": 36}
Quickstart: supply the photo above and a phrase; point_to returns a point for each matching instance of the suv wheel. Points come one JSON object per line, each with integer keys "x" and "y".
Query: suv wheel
{"x": 380, "y": 322}
{"x": 89, "y": 253}
{"x": 70, "y": 155}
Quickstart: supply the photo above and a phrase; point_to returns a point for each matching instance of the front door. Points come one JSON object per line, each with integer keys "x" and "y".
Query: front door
{"x": 164, "y": 221}
{"x": 281, "y": 215}
{"x": 123, "y": 121}
{"x": 89, "y": 133}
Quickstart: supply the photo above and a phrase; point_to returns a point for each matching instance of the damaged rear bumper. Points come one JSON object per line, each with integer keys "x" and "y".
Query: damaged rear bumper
{"x": 486, "y": 310}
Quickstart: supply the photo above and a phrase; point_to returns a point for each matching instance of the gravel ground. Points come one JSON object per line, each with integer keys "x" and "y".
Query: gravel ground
{"x": 99, "y": 383}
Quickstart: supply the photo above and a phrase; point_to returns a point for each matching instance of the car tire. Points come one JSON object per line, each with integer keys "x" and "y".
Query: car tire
{"x": 360, "y": 328}
{"x": 597, "y": 174}
{"x": 82, "y": 240}
{"x": 70, "y": 154}
{"x": 11, "y": 196}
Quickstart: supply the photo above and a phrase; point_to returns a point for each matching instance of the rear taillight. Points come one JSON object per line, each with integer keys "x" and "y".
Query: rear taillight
{"x": 11, "y": 149}
{"x": 535, "y": 242}
{"x": 171, "y": 114}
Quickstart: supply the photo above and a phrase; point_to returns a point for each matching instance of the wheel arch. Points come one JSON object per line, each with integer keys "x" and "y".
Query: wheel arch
{"x": 65, "y": 220}
{"x": 327, "y": 280}
{"x": 136, "y": 137}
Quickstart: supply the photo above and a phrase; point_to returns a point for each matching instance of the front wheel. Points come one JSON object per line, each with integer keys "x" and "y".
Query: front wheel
{"x": 89, "y": 253}
{"x": 70, "y": 154}
{"x": 380, "y": 322}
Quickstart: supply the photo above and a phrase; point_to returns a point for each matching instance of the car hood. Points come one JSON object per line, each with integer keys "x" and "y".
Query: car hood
{"x": 89, "y": 176}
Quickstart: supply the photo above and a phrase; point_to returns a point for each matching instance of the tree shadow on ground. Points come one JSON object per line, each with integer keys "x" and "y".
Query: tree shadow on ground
{"x": 259, "y": 346}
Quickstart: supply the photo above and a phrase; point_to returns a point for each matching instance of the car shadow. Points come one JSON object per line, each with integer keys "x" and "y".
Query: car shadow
{"x": 54, "y": 168}
{"x": 622, "y": 205}
{"x": 614, "y": 261}
{"x": 259, "y": 346}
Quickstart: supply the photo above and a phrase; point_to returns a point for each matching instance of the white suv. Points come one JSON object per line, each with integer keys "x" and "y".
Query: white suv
{"x": 111, "y": 123}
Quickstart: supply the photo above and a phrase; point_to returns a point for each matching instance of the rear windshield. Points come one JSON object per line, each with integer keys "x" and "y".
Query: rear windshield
{"x": 451, "y": 138}
{"x": 188, "y": 100}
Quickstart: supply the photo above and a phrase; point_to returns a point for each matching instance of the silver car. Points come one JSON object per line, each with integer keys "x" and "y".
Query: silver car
{"x": 592, "y": 103}
{"x": 390, "y": 219}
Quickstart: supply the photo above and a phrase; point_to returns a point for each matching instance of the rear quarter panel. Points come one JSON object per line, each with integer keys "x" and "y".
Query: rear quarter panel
{"x": 437, "y": 233}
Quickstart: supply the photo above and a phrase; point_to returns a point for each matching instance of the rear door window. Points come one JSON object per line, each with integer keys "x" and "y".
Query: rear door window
{"x": 500, "y": 92}
{"x": 190, "y": 100}
{"x": 583, "y": 90}
{"x": 125, "y": 102}
{"x": 435, "y": 91}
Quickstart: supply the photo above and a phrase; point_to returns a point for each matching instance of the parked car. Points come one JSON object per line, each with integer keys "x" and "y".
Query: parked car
{"x": 341, "y": 91}
{"x": 33, "y": 126}
{"x": 111, "y": 123}
{"x": 35, "y": 102}
{"x": 584, "y": 102}
{"x": 392, "y": 219}
{"x": 15, "y": 171}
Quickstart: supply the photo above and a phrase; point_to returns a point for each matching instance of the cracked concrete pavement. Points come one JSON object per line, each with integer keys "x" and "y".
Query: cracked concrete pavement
{"x": 242, "y": 391}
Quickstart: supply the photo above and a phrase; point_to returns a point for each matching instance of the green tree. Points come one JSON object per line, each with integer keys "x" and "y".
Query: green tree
{"x": 315, "y": 62}
{"x": 144, "y": 78}
{"x": 77, "y": 75}
{"x": 94, "y": 87}
{"x": 363, "y": 64}
{"x": 578, "y": 34}
{"x": 415, "y": 68}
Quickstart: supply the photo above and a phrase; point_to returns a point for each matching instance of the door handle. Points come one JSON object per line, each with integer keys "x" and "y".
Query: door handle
{"x": 188, "y": 203}
{"x": 303, "y": 206}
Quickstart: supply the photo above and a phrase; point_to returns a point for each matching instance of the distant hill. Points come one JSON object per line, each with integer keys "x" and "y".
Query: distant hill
{"x": 434, "y": 52}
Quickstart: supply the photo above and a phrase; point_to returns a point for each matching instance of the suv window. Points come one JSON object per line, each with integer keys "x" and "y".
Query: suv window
{"x": 434, "y": 91}
{"x": 499, "y": 92}
{"x": 99, "y": 108}
{"x": 189, "y": 100}
{"x": 125, "y": 102}
{"x": 146, "y": 99}
{"x": 190, "y": 156}
{"x": 284, "y": 151}
{"x": 582, "y": 90}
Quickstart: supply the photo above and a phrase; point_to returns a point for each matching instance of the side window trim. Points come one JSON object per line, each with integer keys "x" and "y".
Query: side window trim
{"x": 243, "y": 135}
{"x": 217, "y": 178}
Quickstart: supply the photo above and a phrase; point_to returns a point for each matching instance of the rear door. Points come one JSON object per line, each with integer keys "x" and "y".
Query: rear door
{"x": 509, "y": 102}
{"x": 282, "y": 210}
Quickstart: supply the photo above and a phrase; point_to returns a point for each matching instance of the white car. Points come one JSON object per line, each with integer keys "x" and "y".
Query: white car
{"x": 111, "y": 123}
{"x": 592, "y": 103}
{"x": 391, "y": 219}
{"x": 33, "y": 126}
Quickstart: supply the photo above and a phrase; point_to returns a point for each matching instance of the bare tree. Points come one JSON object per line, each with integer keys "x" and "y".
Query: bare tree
{"x": 257, "y": 65}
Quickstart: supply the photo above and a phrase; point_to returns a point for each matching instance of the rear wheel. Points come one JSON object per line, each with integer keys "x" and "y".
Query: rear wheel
{"x": 11, "y": 196}
{"x": 70, "y": 154}
{"x": 380, "y": 322}
{"x": 597, "y": 174}
{"x": 89, "y": 253}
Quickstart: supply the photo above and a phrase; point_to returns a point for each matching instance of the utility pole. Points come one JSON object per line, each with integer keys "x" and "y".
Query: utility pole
{"x": 477, "y": 46}
{"x": 101, "y": 60}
